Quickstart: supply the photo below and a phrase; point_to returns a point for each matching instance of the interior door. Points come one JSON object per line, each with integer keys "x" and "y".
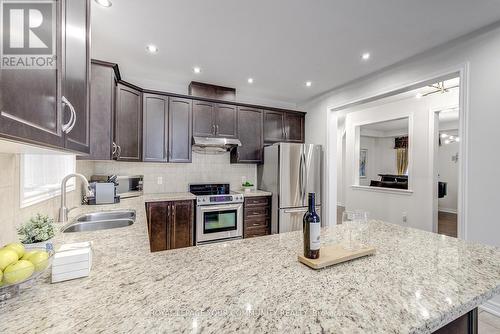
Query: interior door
{"x": 312, "y": 179}
{"x": 291, "y": 175}
{"x": 76, "y": 67}
{"x": 291, "y": 219}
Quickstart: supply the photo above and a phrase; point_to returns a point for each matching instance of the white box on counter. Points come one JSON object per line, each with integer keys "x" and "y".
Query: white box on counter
{"x": 72, "y": 261}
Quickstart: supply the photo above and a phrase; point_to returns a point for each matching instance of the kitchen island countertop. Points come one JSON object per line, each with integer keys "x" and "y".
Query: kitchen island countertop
{"x": 416, "y": 283}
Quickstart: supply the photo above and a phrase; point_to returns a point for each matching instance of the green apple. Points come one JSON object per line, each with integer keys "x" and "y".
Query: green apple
{"x": 28, "y": 254}
{"x": 7, "y": 256}
{"x": 40, "y": 260}
{"x": 16, "y": 247}
{"x": 18, "y": 272}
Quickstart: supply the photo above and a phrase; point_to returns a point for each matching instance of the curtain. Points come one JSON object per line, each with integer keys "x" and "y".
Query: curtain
{"x": 402, "y": 160}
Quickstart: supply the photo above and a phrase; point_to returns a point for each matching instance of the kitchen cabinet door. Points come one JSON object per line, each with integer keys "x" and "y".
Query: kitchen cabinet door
{"x": 30, "y": 98}
{"x": 273, "y": 126}
{"x": 158, "y": 216}
{"x": 250, "y": 133}
{"x": 203, "y": 119}
{"x": 226, "y": 121}
{"x": 294, "y": 127}
{"x": 155, "y": 127}
{"x": 180, "y": 228}
{"x": 180, "y": 129}
{"x": 76, "y": 68}
{"x": 102, "y": 105}
{"x": 128, "y": 123}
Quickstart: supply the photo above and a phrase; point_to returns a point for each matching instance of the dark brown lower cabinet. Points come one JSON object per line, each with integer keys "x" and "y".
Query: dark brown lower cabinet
{"x": 466, "y": 324}
{"x": 170, "y": 224}
{"x": 256, "y": 216}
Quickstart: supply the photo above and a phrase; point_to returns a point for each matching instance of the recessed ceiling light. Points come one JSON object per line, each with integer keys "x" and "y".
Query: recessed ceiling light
{"x": 152, "y": 48}
{"x": 308, "y": 83}
{"x": 196, "y": 70}
{"x": 104, "y": 3}
{"x": 250, "y": 80}
{"x": 419, "y": 95}
{"x": 365, "y": 56}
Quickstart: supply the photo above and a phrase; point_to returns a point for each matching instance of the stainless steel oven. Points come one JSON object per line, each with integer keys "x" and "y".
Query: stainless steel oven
{"x": 219, "y": 213}
{"x": 218, "y": 222}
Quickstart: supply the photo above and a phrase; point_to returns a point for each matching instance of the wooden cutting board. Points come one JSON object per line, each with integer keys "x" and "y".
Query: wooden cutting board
{"x": 334, "y": 254}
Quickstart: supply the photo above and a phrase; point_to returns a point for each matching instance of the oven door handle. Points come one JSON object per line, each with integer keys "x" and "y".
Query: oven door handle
{"x": 209, "y": 208}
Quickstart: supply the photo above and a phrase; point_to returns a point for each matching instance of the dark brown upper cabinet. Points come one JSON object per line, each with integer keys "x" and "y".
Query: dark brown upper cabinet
{"x": 180, "y": 129}
{"x": 226, "y": 120}
{"x": 294, "y": 127}
{"x": 155, "y": 128}
{"x": 128, "y": 123}
{"x": 31, "y": 100}
{"x": 274, "y": 126}
{"x": 76, "y": 73}
{"x": 209, "y": 91}
{"x": 203, "y": 119}
{"x": 250, "y": 125}
{"x": 215, "y": 120}
{"x": 102, "y": 105}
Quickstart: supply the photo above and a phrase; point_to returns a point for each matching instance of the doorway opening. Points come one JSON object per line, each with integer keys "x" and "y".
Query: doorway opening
{"x": 394, "y": 158}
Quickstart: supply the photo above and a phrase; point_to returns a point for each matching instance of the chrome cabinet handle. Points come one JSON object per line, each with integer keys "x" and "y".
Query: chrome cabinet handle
{"x": 119, "y": 151}
{"x": 72, "y": 120}
{"x": 213, "y": 129}
{"x": 216, "y": 129}
{"x": 114, "y": 149}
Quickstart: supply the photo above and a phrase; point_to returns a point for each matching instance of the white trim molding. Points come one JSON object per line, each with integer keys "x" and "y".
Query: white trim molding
{"x": 492, "y": 307}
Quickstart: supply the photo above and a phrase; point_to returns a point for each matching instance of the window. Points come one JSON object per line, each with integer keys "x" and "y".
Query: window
{"x": 41, "y": 176}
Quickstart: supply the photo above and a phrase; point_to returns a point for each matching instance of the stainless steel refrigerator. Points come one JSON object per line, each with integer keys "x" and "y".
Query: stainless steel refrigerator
{"x": 290, "y": 172}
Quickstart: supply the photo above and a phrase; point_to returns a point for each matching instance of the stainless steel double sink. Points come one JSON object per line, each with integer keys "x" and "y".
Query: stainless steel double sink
{"x": 102, "y": 220}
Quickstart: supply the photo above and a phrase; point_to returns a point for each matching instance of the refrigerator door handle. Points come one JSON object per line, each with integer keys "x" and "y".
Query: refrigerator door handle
{"x": 301, "y": 178}
{"x": 303, "y": 173}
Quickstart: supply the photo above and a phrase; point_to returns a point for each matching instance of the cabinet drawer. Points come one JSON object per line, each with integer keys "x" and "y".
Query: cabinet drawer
{"x": 257, "y": 211}
{"x": 256, "y": 222}
{"x": 256, "y": 232}
{"x": 256, "y": 201}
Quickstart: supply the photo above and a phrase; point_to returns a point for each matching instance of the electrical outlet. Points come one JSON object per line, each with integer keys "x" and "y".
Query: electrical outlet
{"x": 159, "y": 180}
{"x": 405, "y": 217}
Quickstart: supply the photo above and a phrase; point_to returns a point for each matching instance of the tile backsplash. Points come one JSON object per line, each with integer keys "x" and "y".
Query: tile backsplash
{"x": 177, "y": 177}
{"x": 173, "y": 177}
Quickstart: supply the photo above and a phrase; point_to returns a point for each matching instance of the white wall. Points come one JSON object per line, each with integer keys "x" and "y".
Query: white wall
{"x": 381, "y": 157}
{"x": 478, "y": 53}
{"x": 448, "y": 172}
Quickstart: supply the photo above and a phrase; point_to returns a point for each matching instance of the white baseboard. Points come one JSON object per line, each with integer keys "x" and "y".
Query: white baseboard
{"x": 492, "y": 307}
{"x": 447, "y": 210}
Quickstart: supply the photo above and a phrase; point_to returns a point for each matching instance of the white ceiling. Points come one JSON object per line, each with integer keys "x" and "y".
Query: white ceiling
{"x": 279, "y": 43}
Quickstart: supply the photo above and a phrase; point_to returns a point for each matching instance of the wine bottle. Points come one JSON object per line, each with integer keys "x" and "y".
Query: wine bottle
{"x": 311, "y": 230}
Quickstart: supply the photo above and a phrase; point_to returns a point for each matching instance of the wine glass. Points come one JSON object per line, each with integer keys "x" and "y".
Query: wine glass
{"x": 356, "y": 226}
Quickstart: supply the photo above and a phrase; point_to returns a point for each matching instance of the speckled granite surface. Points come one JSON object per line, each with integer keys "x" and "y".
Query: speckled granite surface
{"x": 254, "y": 193}
{"x": 417, "y": 282}
{"x": 162, "y": 197}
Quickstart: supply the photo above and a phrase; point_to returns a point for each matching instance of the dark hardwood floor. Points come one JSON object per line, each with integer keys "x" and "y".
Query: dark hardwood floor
{"x": 447, "y": 223}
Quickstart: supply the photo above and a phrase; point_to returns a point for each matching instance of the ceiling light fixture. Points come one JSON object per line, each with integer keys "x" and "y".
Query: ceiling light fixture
{"x": 104, "y": 3}
{"x": 250, "y": 80}
{"x": 308, "y": 83}
{"x": 152, "y": 48}
{"x": 365, "y": 56}
{"x": 196, "y": 70}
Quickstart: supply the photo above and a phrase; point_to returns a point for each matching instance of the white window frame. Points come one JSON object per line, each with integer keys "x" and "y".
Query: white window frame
{"x": 44, "y": 195}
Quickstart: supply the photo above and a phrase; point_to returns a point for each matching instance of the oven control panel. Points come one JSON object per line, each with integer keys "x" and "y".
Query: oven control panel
{"x": 219, "y": 199}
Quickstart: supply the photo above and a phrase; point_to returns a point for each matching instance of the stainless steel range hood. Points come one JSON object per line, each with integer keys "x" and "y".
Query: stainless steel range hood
{"x": 209, "y": 145}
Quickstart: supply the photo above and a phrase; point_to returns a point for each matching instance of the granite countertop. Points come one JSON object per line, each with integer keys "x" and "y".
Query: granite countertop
{"x": 254, "y": 193}
{"x": 416, "y": 283}
{"x": 162, "y": 197}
